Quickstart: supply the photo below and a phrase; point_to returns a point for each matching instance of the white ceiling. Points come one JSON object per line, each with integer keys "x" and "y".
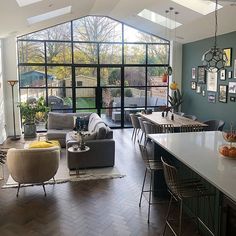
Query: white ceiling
{"x": 195, "y": 26}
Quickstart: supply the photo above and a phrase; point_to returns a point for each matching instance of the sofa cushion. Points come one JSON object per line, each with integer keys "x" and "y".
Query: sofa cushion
{"x": 101, "y": 133}
{"x": 57, "y": 134}
{"x": 60, "y": 121}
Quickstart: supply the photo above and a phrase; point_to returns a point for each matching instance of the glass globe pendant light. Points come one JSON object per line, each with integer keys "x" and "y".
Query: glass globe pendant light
{"x": 215, "y": 58}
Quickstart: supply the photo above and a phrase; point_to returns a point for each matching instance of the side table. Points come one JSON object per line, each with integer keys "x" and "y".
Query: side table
{"x": 79, "y": 154}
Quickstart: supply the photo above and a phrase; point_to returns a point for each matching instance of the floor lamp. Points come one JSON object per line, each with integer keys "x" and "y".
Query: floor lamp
{"x": 12, "y": 83}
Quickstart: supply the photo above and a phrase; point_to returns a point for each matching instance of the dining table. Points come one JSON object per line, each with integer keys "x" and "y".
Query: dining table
{"x": 199, "y": 152}
{"x": 161, "y": 118}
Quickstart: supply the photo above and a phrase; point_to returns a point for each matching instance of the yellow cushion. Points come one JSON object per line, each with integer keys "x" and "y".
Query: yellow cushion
{"x": 44, "y": 144}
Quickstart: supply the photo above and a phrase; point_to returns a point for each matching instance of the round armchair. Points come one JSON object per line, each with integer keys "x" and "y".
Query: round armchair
{"x": 33, "y": 166}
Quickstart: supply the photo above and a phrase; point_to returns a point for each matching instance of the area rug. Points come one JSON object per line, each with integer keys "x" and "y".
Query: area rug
{"x": 63, "y": 175}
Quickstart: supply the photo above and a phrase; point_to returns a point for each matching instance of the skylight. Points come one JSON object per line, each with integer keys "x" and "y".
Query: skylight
{"x": 201, "y": 6}
{"x": 23, "y": 3}
{"x": 159, "y": 19}
{"x": 49, "y": 15}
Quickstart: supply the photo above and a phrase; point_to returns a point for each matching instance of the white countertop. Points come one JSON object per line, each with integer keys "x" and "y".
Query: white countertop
{"x": 199, "y": 151}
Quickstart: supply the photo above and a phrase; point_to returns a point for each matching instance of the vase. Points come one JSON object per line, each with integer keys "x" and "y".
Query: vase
{"x": 29, "y": 130}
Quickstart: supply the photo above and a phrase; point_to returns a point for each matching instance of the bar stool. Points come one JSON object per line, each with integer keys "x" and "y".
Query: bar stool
{"x": 151, "y": 167}
{"x": 180, "y": 190}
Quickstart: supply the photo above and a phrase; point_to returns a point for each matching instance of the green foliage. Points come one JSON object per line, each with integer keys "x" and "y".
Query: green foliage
{"x": 128, "y": 92}
{"x": 115, "y": 93}
{"x": 34, "y": 111}
{"x": 176, "y": 99}
{"x": 114, "y": 77}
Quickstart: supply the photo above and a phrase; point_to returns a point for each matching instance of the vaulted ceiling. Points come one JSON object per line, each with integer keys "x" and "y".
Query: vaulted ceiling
{"x": 194, "y": 25}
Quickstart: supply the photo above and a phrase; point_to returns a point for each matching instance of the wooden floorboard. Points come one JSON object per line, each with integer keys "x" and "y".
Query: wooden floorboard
{"x": 90, "y": 208}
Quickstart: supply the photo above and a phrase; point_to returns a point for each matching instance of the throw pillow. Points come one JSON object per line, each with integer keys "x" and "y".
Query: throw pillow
{"x": 82, "y": 123}
{"x": 44, "y": 144}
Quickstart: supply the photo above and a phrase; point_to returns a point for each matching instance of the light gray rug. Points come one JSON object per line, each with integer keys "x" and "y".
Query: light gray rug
{"x": 63, "y": 175}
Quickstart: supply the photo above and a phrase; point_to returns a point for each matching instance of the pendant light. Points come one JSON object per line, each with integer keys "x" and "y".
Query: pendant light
{"x": 215, "y": 58}
{"x": 168, "y": 70}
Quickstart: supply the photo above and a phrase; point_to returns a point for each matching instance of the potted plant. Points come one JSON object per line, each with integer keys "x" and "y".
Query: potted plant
{"x": 33, "y": 112}
{"x": 177, "y": 98}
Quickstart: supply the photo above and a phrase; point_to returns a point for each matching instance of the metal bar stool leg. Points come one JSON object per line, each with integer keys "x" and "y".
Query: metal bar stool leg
{"x": 167, "y": 215}
{"x": 180, "y": 217}
{"x": 144, "y": 179}
{"x": 149, "y": 199}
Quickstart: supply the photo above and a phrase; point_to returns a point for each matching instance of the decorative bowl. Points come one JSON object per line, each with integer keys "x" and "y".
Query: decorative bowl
{"x": 228, "y": 150}
{"x": 229, "y": 136}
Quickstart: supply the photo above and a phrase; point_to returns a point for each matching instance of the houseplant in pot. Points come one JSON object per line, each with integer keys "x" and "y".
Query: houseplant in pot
{"x": 177, "y": 98}
{"x": 32, "y": 111}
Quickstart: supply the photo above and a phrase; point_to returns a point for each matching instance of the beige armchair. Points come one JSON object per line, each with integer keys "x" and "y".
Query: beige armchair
{"x": 35, "y": 165}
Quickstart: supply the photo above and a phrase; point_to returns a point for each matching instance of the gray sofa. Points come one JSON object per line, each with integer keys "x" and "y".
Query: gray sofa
{"x": 100, "y": 141}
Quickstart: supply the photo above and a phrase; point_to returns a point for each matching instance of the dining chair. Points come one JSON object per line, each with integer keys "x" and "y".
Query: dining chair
{"x": 151, "y": 128}
{"x": 181, "y": 189}
{"x": 141, "y": 120}
{"x": 192, "y": 117}
{"x": 214, "y": 125}
{"x": 151, "y": 167}
{"x": 191, "y": 128}
{"x": 136, "y": 125}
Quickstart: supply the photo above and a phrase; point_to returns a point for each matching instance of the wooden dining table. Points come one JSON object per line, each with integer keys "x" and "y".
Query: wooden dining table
{"x": 177, "y": 122}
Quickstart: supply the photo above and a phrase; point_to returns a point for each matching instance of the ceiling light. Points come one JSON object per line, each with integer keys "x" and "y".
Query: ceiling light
{"x": 23, "y": 3}
{"x": 201, "y": 6}
{"x": 159, "y": 19}
{"x": 215, "y": 58}
{"x": 49, "y": 15}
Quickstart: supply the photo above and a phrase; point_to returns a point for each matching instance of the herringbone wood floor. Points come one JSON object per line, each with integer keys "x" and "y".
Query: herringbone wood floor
{"x": 91, "y": 208}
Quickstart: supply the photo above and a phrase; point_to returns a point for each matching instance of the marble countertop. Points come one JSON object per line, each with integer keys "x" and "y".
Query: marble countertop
{"x": 199, "y": 151}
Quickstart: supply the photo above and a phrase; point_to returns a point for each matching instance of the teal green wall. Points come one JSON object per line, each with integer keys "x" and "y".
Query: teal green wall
{"x": 195, "y": 103}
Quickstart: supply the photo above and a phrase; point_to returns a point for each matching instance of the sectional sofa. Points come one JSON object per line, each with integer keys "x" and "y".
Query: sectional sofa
{"x": 100, "y": 141}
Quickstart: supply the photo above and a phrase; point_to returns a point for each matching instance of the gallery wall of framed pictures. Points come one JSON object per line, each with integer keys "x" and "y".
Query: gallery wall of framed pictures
{"x": 221, "y": 84}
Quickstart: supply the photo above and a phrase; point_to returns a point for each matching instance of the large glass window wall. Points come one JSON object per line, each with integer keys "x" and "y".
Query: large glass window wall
{"x": 94, "y": 64}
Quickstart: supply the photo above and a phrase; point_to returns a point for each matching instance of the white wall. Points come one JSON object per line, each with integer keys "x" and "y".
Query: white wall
{"x": 2, "y": 107}
{"x": 9, "y": 61}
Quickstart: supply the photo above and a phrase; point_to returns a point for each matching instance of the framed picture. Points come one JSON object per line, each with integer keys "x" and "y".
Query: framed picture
{"x": 198, "y": 90}
{"x": 223, "y": 93}
{"x": 212, "y": 81}
{"x": 212, "y": 97}
{"x": 235, "y": 68}
{"x": 222, "y": 75}
{"x": 229, "y": 74}
{"x": 193, "y": 73}
{"x": 232, "y": 87}
{"x": 201, "y": 72}
{"x": 228, "y": 52}
{"x": 232, "y": 99}
{"x": 193, "y": 85}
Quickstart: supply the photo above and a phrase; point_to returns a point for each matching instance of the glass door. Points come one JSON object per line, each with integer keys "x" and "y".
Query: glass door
{"x": 85, "y": 89}
{"x": 110, "y": 94}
